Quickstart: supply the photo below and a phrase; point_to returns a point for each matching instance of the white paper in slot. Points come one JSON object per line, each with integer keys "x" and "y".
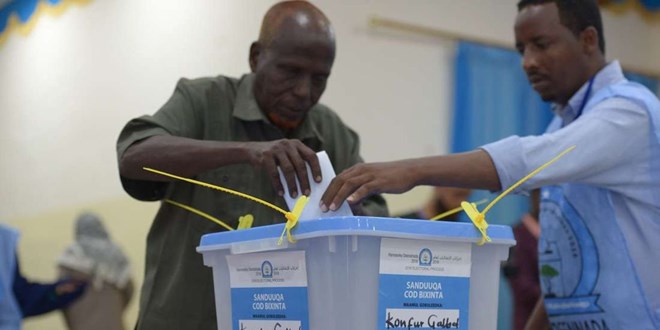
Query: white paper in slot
{"x": 312, "y": 210}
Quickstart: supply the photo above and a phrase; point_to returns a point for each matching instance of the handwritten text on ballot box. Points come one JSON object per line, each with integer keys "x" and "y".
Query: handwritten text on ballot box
{"x": 269, "y": 291}
{"x": 423, "y": 284}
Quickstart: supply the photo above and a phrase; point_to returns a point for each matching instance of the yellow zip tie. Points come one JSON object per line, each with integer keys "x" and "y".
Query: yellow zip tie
{"x": 292, "y": 219}
{"x": 245, "y": 222}
{"x": 456, "y": 210}
{"x": 527, "y": 177}
{"x": 227, "y": 190}
{"x": 200, "y": 213}
{"x": 479, "y": 218}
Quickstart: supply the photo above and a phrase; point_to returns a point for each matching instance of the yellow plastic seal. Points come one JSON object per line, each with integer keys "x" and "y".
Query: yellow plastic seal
{"x": 456, "y": 210}
{"x": 479, "y": 218}
{"x": 246, "y": 221}
{"x": 292, "y": 219}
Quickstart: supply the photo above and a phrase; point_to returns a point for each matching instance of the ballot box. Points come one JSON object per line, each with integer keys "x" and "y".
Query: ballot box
{"x": 357, "y": 273}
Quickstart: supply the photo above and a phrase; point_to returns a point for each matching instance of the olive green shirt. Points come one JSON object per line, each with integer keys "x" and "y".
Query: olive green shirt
{"x": 178, "y": 289}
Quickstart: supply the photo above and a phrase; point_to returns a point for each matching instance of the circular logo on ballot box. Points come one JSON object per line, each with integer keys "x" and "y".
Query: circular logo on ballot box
{"x": 266, "y": 269}
{"x": 425, "y": 257}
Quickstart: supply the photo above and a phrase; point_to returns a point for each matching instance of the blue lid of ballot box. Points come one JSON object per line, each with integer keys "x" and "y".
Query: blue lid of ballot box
{"x": 363, "y": 226}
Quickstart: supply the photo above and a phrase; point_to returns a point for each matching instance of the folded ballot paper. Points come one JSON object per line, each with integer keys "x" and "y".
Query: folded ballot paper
{"x": 312, "y": 210}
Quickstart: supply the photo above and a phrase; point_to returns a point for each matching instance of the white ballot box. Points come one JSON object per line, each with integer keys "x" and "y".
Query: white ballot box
{"x": 357, "y": 273}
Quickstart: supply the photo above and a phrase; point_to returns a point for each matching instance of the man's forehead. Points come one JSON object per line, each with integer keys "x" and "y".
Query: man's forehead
{"x": 306, "y": 44}
{"x": 544, "y": 12}
{"x": 538, "y": 18}
{"x": 294, "y": 33}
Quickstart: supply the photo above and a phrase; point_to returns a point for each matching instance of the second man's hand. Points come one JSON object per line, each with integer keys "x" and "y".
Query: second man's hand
{"x": 473, "y": 169}
{"x": 291, "y": 156}
{"x": 364, "y": 180}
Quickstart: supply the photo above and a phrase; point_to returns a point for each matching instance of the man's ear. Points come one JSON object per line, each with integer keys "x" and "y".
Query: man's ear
{"x": 590, "y": 38}
{"x": 255, "y": 51}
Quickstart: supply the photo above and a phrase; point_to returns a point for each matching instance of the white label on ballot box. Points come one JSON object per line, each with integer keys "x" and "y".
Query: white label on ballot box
{"x": 268, "y": 325}
{"x": 423, "y": 284}
{"x": 268, "y": 290}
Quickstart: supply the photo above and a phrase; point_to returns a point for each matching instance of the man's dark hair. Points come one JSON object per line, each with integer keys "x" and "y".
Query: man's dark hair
{"x": 576, "y": 15}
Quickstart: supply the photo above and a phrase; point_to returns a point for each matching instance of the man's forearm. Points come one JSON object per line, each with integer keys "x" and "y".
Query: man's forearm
{"x": 181, "y": 156}
{"x": 474, "y": 169}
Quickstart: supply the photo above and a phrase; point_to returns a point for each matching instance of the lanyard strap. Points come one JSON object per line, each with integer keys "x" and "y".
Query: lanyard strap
{"x": 585, "y": 99}
{"x": 584, "y": 102}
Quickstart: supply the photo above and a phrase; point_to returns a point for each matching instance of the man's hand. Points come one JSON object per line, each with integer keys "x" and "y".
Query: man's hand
{"x": 69, "y": 286}
{"x": 364, "y": 180}
{"x": 173, "y": 154}
{"x": 538, "y": 320}
{"x": 474, "y": 170}
{"x": 291, "y": 157}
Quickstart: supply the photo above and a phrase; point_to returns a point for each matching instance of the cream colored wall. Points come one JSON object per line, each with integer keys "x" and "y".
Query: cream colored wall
{"x": 68, "y": 88}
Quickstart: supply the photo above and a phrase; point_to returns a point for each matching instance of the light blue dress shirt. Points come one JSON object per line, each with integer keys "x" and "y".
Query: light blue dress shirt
{"x": 10, "y": 313}
{"x": 615, "y": 159}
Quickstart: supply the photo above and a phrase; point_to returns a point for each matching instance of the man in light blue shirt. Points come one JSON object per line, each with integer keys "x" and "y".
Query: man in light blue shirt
{"x": 600, "y": 215}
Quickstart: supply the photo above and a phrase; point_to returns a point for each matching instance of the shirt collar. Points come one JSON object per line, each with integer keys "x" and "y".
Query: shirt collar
{"x": 608, "y": 75}
{"x": 247, "y": 109}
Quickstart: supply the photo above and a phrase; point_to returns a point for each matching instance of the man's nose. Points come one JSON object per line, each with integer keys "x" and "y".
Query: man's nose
{"x": 303, "y": 88}
{"x": 529, "y": 61}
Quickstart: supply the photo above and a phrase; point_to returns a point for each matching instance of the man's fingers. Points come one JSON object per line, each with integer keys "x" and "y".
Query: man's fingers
{"x": 271, "y": 168}
{"x": 347, "y": 189}
{"x": 290, "y": 174}
{"x": 310, "y": 157}
{"x": 69, "y": 286}
{"x": 300, "y": 168}
{"x": 331, "y": 194}
{"x": 361, "y": 193}
{"x": 292, "y": 158}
